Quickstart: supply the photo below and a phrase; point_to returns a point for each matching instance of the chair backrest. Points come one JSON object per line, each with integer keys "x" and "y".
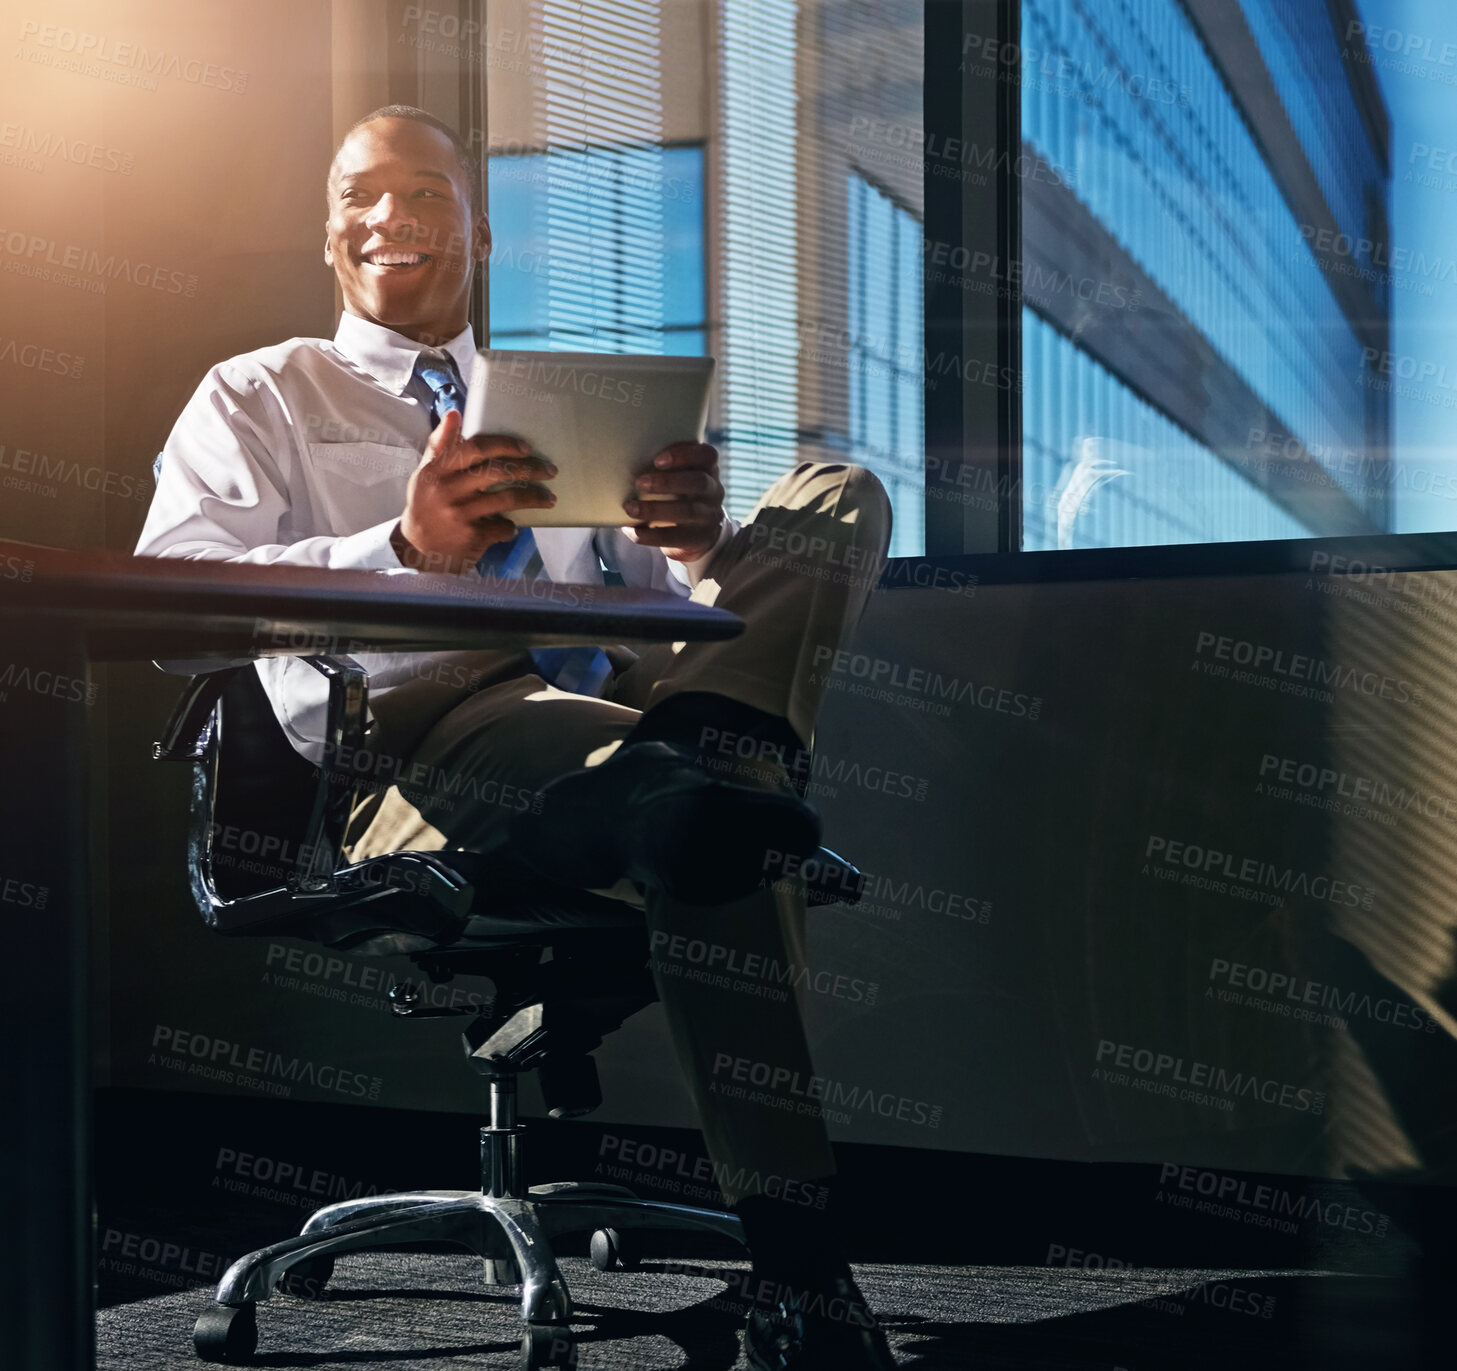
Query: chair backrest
{"x": 263, "y": 793}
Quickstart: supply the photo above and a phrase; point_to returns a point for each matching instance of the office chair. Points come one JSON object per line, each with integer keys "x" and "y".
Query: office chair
{"x": 450, "y": 913}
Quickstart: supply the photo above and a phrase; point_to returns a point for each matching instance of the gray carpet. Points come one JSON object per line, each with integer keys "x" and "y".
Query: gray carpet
{"x": 431, "y": 1311}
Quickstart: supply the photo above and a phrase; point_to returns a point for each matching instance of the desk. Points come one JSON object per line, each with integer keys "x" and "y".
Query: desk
{"x": 60, "y": 610}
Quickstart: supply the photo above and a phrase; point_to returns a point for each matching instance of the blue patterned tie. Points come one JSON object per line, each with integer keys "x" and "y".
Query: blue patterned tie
{"x": 580, "y": 670}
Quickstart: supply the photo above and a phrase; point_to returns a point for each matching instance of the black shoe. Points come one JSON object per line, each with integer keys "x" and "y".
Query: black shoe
{"x": 827, "y": 1327}
{"x": 653, "y": 814}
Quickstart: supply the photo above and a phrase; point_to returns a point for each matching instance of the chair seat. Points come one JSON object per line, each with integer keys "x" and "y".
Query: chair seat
{"x": 511, "y": 900}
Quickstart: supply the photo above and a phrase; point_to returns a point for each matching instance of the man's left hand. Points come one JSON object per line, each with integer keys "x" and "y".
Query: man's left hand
{"x": 679, "y": 502}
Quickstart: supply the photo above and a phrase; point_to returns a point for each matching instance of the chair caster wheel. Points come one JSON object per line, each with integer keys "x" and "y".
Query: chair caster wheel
{"x": 613, "y": 1250}
{"x": 547, "y": 1344}
{"x": 307, "y": 1279}
{"x": 227, "y": 1332}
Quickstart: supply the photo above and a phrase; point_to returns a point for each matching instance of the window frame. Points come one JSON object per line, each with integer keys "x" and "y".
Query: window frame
{"x": 979, "y": 425}
{"x": 972, "y": 424}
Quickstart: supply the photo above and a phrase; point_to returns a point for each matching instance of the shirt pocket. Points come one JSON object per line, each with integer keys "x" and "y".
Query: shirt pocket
{"x": 354, "y": 486}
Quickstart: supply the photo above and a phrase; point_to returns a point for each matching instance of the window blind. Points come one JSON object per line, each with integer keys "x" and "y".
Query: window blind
{"x": 758, "y": 230}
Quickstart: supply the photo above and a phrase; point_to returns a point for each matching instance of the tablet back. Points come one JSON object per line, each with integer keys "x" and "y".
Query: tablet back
{"x": 600, "y": 417}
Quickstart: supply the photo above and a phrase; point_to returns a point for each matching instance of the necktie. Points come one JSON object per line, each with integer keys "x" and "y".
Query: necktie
{"x": 581, "y": 670}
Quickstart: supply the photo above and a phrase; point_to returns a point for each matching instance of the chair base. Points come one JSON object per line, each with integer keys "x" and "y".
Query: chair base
{"x": 511, "y": 1234}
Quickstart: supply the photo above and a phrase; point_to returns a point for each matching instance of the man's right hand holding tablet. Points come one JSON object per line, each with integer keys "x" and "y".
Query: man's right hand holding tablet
{"x": 462, "y": 494}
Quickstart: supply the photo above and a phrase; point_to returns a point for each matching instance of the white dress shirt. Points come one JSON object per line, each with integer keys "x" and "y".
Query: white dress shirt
{"x": 301, "y": 454}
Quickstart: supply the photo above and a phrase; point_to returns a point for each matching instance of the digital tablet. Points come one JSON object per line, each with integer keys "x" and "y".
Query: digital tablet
{"x": 601, "y": 418}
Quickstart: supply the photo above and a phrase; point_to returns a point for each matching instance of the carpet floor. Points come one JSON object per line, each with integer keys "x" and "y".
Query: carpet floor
{"x": 421, "y": 1310}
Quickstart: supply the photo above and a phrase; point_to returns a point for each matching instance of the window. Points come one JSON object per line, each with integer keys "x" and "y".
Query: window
{"x": 598, "y": 250}
{"x": 699, "y": 178}
{"x": 1195, "y": 368}
{"x": 887, "y": 374}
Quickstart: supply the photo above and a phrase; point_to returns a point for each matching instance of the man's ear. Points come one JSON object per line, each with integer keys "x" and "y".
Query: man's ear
{"x": 328, "y": 248}
{"x": 481, "y": 239}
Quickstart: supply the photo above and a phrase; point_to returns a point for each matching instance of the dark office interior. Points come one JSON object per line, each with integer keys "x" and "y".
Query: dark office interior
{"x": 1129, "y": 970}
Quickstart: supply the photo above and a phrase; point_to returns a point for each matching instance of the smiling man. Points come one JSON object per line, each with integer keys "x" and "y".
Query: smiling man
{"x": 666, "y": 779}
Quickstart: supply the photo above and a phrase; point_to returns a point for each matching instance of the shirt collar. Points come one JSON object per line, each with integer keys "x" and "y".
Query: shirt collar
{"x": 389, "y": 356}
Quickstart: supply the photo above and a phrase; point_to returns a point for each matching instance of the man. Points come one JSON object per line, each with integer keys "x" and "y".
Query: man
{"x": 310, "y": 453}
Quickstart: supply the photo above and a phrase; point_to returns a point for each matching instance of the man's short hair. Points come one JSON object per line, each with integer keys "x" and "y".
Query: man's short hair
{"x": 470, "y": 164}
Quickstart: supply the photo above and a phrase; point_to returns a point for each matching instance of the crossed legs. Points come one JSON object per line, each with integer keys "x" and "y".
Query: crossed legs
{"x": 799, "y": 573}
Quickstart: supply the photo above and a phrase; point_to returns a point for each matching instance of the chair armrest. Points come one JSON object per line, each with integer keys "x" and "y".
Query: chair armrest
{"x": 184, "y": 735}
{"x": 322, "y": 853}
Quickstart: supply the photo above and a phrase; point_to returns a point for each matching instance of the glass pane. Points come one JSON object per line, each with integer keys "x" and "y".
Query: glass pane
{"x": 1209, "y": 188}
{"x": 884, "y": 290}
{"x": 739, "y": 179}
{"x": 598, "y": 249}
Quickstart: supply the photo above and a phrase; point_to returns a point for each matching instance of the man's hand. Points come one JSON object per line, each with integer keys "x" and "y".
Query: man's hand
{"x": 460, "y": 495}
{"x": 679, "y": 503}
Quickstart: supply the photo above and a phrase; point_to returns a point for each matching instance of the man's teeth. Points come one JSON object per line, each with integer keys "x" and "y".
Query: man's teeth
{"x": 394, "y": 259}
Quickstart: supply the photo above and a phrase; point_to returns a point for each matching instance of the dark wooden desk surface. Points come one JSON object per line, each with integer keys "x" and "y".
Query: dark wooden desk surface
{"x": 149, "y": 607}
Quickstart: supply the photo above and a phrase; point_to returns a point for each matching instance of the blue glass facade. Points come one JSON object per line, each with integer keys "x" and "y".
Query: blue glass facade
{"x": 1101, "y": 468}
{"x": 599, "y": 250}
{"x": 1127, "y": 97}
